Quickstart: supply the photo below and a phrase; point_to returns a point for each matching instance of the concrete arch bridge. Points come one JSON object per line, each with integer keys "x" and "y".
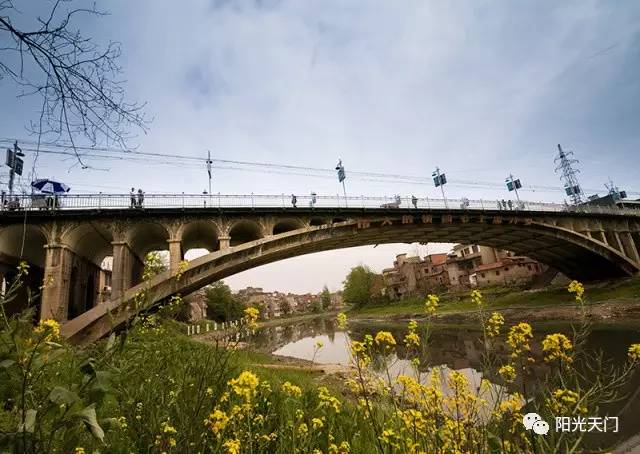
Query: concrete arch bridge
{"x": 65, "y": 248}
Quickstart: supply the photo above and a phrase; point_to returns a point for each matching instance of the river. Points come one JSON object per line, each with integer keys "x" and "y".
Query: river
{"x": 460, "y": 349}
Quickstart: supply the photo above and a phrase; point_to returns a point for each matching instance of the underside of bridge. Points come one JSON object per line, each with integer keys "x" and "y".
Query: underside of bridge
{"x": 70, "y": 254}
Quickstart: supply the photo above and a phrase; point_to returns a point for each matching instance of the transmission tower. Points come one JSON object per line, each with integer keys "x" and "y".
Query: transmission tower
{"x": 569, "y": 175}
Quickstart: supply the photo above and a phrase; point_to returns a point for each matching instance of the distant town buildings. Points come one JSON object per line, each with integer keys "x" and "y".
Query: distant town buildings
{"x": 465, "y": 266}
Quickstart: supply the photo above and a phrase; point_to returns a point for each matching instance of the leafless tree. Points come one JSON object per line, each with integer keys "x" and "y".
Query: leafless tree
{"x": 77, "y": 80}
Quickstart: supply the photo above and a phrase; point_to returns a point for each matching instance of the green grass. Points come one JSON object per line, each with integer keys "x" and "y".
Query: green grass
{"x": 504, "y": 298}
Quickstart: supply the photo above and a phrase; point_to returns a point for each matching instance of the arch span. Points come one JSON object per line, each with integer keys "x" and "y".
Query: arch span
{"x": 573, "y": 253}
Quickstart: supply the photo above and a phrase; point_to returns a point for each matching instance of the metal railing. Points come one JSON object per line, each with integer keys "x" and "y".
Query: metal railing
{"x": 100, "y": 201}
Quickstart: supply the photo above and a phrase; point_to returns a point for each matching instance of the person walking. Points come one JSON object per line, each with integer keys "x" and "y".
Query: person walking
{"x": 294, "y": 201}
{"x": 140, "y": 198}
{"x": 504, "y": 204}
{"x": 510, "y": 203}
{"x": 414, "y": 201}
{"x": 133, "y": 198}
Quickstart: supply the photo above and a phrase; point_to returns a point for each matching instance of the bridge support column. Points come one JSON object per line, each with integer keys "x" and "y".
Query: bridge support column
{"x": 57, "y": 279}
{"x": 175, "y": 254}
{"x": 225, "y": 242}
{"x": 124, "y": 262}
{"x": 629, "y": 246}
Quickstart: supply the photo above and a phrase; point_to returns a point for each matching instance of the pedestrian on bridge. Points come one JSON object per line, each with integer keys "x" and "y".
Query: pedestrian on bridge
{"x": 140, "y": 198}
{"x": 133, "y": 198}
{"x": 294, "y": 201}
{"x": 510, "y": 203}
{"x": 414, "y": 201}
{"x": 504, "y": 204}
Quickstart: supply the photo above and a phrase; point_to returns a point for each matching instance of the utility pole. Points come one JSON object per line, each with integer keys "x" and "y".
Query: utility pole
{"x": 440, "y": 179}
{"x": 15, "y": 164}
{"x": 209, "y": 162}
{"x": 514, "y": 185}
{"x": 569, "y": 175}
{"x": 341, "y": 177}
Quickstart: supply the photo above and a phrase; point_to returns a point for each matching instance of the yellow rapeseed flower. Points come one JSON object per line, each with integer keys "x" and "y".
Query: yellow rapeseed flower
{"x": 565, "y": 402}
{"x": 251, "y": 315}
{"x": 317, "y": 423}
{"x": 49, "y": 328}
{"x": 518, "y": 338}
{"x": 385, "y": 338}
{"x": 233, "y": 446}
{"x": 508, "y": 373}
{"x": 342, "y": 320}
{"x": 494, "y": 323}
{"x": 327, "y": 400}
{"x": 431, "y": 304}
{"x": 576, "y": 288}
{"x": 291, "y": 390}
{"x": 476, "y": 297}
{"x": 79, "y": 450}
{"x": 303, "y": 429}
{"x": 557, "y": 346}
{"x": 217, "y": 421}
{"x": 411, "y": 339}
{"x": 245, "y": 385}
{"x": 634, "y": 352}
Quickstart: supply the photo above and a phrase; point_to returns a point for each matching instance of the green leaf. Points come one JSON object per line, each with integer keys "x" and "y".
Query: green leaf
{"x": 88, "y": 416}
{"x": 29, "y": 422}
{"x": 110, "y": 343}
{"x": 7, "y": 363}
{"x": 60, "y": 395}
{"x": 88, "y": 367}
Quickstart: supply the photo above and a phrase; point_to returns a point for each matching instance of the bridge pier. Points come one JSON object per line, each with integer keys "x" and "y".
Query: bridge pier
{"x": 225, "y": 242}
{"x": 175, "y": 254}
{"x": 126, "y": 266}
{"x": 57, "y": 273}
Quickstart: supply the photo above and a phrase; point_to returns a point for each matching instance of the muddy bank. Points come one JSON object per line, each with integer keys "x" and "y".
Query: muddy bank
{"x": 623, "y": 312}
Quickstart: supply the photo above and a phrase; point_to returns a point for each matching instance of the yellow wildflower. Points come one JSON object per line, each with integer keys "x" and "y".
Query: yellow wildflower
{"x": 317, "y": 423}
{"x": 217, "y": 421}
{"x": 565, "y": 402}
{"x": 291, "y": 390}
{"x": 342, "y": 320}
{"x": 413, "y": 325}
{"x": 476, "y": 297}
{"x": 302, "y": 429}
{"x": 508, "y": 373}
{"x": 122, "y": 422}
{"x": 518, "y": 338}
{"x": 79, "y": 450}
{"x": 49, "y": 328}
{"x": 512, "y": 404}
{"x": 557, "y": 346}
{"x": 319, "y": 345}
{"x": 344, "y": 448}
{"x": 431, "y": 304}
{"x": 578, "y": 289}
{"x": 251, "y": 315}
{"x": 411, "y": 339}
{"x": 385, "y": 338}
{"x": 494, "y": 324}
{"x": 233, "y": 446}
{"x": 245, "y": 385}
{"x": 634, "y": 352}
{"x": 327, "y": 400}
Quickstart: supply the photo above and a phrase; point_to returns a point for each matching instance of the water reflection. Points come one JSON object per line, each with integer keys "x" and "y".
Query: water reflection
{"x": 458, "y": 349}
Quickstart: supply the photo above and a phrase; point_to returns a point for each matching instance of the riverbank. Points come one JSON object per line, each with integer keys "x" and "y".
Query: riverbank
{"x": 612, "y": 302}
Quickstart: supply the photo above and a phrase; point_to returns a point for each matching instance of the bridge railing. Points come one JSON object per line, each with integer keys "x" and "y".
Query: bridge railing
{"x": 101, "y": 201}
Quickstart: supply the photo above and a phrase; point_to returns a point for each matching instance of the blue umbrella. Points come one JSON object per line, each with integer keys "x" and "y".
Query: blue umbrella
{"x": 50, "y": 187}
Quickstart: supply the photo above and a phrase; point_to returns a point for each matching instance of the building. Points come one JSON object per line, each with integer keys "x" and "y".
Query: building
{"x": 412, "y": 276}
{"x": 510, "y": 270}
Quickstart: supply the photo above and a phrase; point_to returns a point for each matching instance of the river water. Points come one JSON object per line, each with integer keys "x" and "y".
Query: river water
{"x": 460, "y": 349}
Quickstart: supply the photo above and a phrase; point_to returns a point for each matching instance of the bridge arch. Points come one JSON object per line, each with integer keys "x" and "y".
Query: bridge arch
{"x": 283, "y": 225}
{"x": 147, "y": 236}
{"x": 244, "y": 231}
{"x": 199, "y": 234}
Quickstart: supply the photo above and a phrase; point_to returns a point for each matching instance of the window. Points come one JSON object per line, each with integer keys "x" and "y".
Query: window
{"x": 475, "y": 248}
{"x": 497, "y": 273}
{"x": 482, "y": 275}
{"x": 506, "y": 269}
{"x": 529, "y": 267}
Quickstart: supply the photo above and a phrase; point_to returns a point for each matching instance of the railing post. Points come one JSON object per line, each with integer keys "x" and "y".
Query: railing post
{"x": 481, "y": 205}
{"x": 183, "y": 200}
{"x": 100, "y": 200}
{"x": 252, "y": 200}
{"x": 362, "y": 197}
{"x": 428, "y": 204}
{"x": 283, "y": 200}
{"x": 219, "y": 201}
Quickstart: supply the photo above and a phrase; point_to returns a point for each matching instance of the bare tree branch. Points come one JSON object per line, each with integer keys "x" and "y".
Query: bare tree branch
{"x": 82, "y": 96}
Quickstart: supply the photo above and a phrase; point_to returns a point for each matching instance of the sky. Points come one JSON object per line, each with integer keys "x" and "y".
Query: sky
{"x": 479, "y": 89}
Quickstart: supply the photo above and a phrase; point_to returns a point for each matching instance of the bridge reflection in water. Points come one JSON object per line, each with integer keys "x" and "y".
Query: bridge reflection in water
{"x": 67, "y": 245}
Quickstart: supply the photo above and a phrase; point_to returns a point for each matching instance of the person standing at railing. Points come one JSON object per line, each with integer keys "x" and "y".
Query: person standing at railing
{"x": 414, "y": 201}
{"x": 133, "y": 198}
{"x": 140, "y": 198}
{"x": 312, "y": 202}
{"x": 294, "y": 201}
{"x": 510, "y": 203}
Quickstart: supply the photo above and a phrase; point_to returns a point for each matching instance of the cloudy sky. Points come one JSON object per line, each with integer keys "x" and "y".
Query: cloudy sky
{"x": 480, "y": 89}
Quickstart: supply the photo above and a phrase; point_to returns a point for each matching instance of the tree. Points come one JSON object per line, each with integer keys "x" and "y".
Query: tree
{"x": 78, "y": 82}
{"x": 325, "y": 297}
{"x": 221, "y": 304}
{"x": 358, "y": 286}
{"x": 316, "y": 306}
{"x": 284, "y": 306}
